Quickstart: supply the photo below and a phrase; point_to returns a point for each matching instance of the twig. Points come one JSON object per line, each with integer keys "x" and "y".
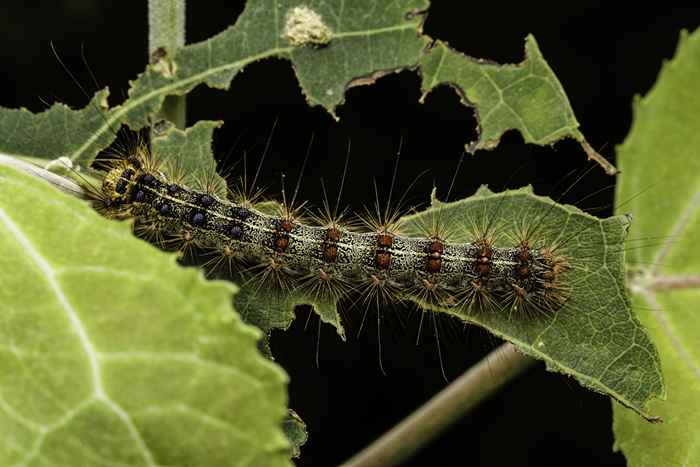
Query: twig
{"x": 445, "y": 408}
{"x": 62, "y": 183}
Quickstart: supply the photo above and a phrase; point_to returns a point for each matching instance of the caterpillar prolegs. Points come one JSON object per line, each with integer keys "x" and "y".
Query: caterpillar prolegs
{"x": 330, "y": 261}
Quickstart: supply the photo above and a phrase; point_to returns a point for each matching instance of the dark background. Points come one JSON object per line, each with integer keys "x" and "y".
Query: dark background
{"x": 602, "y": 57}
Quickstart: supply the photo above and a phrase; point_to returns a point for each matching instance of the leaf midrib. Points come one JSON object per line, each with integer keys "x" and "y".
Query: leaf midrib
{"x": 676, "y": 231}
{"x": 652, "y": 281}
{"x": 171, "y": 88}
{"x": 661, "y": 317}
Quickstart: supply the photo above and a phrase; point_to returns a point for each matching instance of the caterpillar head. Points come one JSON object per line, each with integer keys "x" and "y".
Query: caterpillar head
{"x": 119, "y": 183}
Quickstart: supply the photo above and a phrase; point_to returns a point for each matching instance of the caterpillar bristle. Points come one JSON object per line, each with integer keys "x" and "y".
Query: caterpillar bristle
{"x": 208, "y": 183}
{"x": 245, "y": 195}
{"x": 185, "y": 243}
{"x": 176, "y": 172}
{"x": 223, "y": 257}
{"x": 437, "y": 227}
{"x": 150, "y": 229}
{"x": 323, "y": 286}
{"x": 270, "y": 274}
{"x": 431, "y": 293}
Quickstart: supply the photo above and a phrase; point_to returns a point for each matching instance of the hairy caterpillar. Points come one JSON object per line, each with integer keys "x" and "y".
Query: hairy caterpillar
{"x": 329, "y": 261}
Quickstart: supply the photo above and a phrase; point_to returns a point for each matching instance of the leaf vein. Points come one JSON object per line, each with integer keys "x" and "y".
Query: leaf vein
{"x": 677, "y": 230}
{"x": 76, "y": 324}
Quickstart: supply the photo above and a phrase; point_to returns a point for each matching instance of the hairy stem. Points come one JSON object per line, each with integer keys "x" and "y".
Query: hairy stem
{"x": 445, "y": 408}
{"x": 166, "y": 34}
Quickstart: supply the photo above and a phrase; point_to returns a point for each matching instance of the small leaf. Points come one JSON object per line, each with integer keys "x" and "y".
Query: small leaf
{"x": 660, "y": 185}
{"x": 110, "y": 354}
{"x": 270, "y": 310}
{"x": 295, "y": 429}
{"x": 594, "y": 336}
{"x": 526, "y": 97}
{"x": 59, "y": 131}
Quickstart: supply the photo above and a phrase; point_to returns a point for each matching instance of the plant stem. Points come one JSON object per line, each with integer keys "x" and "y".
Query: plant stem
{"x": 166, "y": 32}
{"x": 64, "y": 184}
{"x": 445, "y": 408}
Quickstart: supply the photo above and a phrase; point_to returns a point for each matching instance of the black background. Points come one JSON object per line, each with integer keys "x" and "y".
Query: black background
{"x": 603, "y": 57}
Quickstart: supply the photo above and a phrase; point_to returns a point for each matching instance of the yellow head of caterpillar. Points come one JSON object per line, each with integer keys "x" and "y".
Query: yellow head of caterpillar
{"x": 119, "y": 182}
{"x": 121, "y": 176}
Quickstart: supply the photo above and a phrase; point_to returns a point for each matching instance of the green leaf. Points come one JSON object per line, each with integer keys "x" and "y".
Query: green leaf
{"x": 295, "y": 429}
{"x": 660, "y": 185}
{"x": 526, "y": 97}
{"x": 270, "y": 310}
{"x": 594, "y": 337}
{"x": 59, "y": 131}
{"x": 366, "y": 40}
{"x": 111, "y": 354}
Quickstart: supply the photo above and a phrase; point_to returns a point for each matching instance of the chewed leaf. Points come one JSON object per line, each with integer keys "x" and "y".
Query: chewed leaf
{"x": 594, "y": 336}
{"x": 113, "y": 355}
{"x": 331, "y": 45}
{"x": 588, "y": 331}
{"x": 272, "y": 310}
{"x": 59, "y": 132}
{"x": 660, "y": 184}
{"x": 295, "y": 429}
{"x": 526, "y": 97}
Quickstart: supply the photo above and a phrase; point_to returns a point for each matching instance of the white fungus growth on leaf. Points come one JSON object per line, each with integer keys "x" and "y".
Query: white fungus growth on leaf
{"x": 306, "y": 27}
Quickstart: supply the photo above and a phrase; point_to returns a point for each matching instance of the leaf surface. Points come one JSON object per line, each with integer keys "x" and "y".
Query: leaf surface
{"x": 526, "y": 97}
{"x": 660, "y": 184}
{"x": 111, "y": 354}
{"x": 594, "y": 337}
{"x": 366, "y": 39}
{"x": 59, "y": 131}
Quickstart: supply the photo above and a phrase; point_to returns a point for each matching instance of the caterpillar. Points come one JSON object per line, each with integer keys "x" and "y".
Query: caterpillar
{"x": 329, "y": 260}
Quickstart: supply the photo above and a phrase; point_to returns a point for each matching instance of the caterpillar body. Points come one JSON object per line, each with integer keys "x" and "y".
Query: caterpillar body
{"x": 331, "y": 261}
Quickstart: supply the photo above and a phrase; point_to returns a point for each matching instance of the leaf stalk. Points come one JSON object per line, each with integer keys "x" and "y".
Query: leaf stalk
{"x": 444, "y": 409}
